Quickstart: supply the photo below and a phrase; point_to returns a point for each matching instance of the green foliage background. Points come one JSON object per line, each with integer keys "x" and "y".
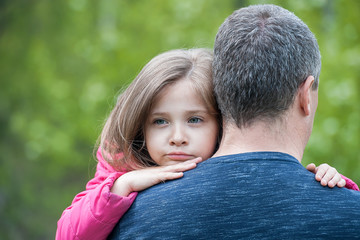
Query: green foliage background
{"x": 63, "y": 62}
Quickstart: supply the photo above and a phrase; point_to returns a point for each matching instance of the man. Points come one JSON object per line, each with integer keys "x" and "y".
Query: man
{"x": 266, "y": 76}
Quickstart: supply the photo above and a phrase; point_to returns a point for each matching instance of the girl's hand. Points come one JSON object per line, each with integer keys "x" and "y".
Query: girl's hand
{"x": 326, "y": 175}
{"x": 138, "y": 180}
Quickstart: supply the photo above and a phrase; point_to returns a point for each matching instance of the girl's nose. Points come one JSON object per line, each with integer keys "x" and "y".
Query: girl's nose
{"x": 178, "y": 137}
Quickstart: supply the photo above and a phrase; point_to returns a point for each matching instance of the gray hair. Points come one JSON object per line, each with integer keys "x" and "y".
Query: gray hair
{"x": 262, "y": 54}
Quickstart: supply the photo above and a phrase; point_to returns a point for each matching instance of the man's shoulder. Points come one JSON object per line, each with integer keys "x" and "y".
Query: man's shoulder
{"x": 265, "y": 175}
{"x": 242, "y": 195}
{"x": 256, "y": 156}
{"x": 271, "y": 161}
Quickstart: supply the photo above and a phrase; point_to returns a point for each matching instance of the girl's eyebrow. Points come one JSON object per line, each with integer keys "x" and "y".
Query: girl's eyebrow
{"x": 197, "y": 112}
{"x": 191, "y": 112}
{"x": 158, "y": 113}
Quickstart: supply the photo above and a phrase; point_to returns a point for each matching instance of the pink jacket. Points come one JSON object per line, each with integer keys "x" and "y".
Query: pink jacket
{"x": 350, "y": 184}
{"x": 94, "y": 212}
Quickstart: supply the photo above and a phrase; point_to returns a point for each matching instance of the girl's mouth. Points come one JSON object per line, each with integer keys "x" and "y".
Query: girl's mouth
{"x": 179, "y": 156}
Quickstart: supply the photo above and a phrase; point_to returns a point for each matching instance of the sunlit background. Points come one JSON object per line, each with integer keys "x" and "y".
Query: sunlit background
{"x": 63, "y": 62}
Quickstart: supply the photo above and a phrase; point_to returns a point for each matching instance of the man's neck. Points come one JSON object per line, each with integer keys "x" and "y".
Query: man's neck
{"x": 262, "y": 136}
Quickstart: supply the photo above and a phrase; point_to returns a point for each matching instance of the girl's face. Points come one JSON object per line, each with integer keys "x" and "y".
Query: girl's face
{"x": 179, "y": 126}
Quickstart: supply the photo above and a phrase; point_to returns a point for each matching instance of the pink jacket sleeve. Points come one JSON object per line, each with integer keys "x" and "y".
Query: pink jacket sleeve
{"x": 350, "y": 184}
{"x": 95, "y": 211}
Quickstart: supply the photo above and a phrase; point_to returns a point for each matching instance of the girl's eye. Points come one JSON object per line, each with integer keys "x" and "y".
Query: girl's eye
{"x": 195, "y": 120}
{"x": 160, "y": 122}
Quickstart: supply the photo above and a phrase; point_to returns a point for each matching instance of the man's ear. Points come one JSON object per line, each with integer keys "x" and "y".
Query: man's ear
{"x": 305, "y": 95}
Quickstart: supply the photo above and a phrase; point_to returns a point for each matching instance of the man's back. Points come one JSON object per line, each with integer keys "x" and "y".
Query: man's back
{"x": 251, "y": 195}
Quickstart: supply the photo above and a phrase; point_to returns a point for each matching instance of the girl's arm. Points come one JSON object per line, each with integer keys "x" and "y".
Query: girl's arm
{"x": 139, "y": 180}
{"x": 95, "y": 211}
{"x": 329, "y": 176}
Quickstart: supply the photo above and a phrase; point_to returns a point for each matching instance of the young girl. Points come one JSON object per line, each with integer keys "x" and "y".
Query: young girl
{"x": 164, "y": 123}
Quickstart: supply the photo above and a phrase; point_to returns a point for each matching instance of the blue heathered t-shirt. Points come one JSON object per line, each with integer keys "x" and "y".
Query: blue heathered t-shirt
{"x": 260, "y": 195}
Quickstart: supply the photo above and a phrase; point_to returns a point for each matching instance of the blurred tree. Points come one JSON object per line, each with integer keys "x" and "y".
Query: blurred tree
{"x": 63, "y": 62}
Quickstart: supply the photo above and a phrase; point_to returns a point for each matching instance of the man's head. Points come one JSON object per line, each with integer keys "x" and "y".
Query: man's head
{"x": 262, "y": 55}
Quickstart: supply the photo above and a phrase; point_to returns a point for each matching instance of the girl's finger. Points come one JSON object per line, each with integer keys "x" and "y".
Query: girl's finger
{"x": 179, "y": 167}
{"x": 321, "y": 171}
{"x": 341, "y": 183}
{"x": 335, "y": 180}
{"x": 163, "y": 176}
{"x": 311, "y": 167}
{"x": 330, "y": 173}
{"x": 195, "y": 160}
{"x": 186, "y": 166}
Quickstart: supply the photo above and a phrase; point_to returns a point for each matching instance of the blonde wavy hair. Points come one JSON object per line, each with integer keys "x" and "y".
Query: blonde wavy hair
{"x": 123, "y": 131}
